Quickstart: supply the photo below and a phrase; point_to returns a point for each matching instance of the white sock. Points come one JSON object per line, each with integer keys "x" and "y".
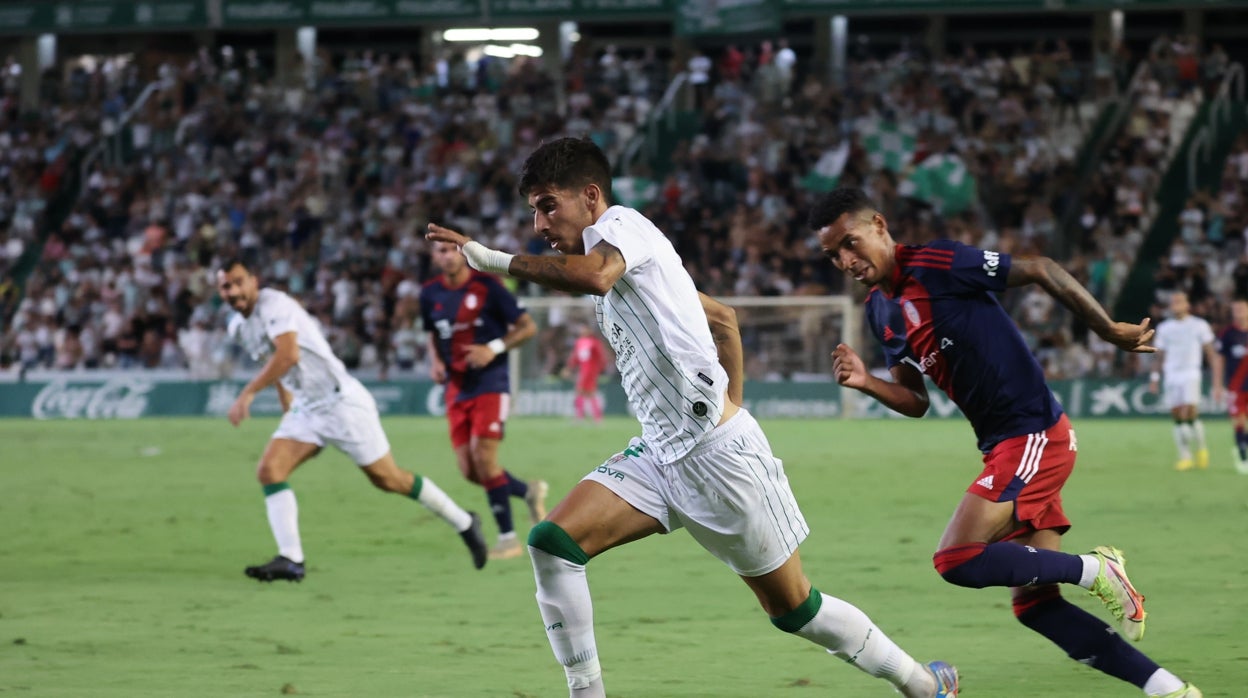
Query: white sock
{"x": 1181, "y": 440}
{"x": 1161, "y": 683}
{"x": 1091, "y": 568}
{"x": 507, "y": 537}
{"x": 438, "y": 502}
{"x": 284, "y": 520}
{"x": 848, "y": 633}
{"x": 1198, "y": 430}
{"x": 568, "y": 614}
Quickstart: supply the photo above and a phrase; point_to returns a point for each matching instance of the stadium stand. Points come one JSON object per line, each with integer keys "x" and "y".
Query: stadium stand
{"x": 325, "y": 185}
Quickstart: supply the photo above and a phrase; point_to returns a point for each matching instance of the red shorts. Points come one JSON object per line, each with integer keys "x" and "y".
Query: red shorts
{"x": 482, "y": 416}
{"x": 1030, "y": 470}
{"x": 587, "y": 382}
{"x": 1238, "y": 403}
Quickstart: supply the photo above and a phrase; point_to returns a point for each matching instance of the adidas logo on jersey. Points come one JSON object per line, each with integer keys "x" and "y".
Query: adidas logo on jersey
{"x": 985, "y": 482}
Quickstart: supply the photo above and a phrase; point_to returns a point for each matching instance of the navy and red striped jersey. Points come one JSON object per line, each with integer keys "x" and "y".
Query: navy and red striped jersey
{"x": 944, "y": 320}
{"x": 1233, "y": 346}
{"x": 475, "y": 312}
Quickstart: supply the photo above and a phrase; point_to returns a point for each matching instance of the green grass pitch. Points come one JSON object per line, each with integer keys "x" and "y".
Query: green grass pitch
{"x": 124, "y": 542}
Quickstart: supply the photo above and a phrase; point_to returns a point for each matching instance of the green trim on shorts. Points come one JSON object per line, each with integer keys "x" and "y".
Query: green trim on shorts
{"x": 797, "y": 619}
{"x": 270, "y": 490}
{"x": 417, "y": 484}
{"x": 548, "y": 537}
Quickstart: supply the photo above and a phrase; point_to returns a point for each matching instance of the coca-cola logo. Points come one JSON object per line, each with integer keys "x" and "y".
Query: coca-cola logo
{"x": 117, "y": 398}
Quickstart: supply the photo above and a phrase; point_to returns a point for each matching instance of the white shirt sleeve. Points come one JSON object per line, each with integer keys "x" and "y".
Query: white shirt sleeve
{"x": 627, "y": 231}
{"x": 280, "y": 316}
{"x": 1206, "y": 333}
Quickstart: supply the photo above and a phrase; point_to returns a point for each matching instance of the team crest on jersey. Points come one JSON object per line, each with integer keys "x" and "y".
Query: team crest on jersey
{"x": 470, "y": 301}
{"x": 912, "y": 313}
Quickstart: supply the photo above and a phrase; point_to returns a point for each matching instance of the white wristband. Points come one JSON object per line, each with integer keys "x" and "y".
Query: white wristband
{"x": 1154, "y": 376}
{"x": 484, "y": 259}
{"x": 497, "y": 346}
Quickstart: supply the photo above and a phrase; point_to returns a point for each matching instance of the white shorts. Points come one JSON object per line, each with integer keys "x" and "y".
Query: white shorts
{"x": 730, "y": 492}
{"x": 1182, "y": 389}
{"x": 352, "y": 425}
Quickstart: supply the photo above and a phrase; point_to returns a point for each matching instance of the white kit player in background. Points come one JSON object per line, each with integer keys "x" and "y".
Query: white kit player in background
{"x": 1180, "y": 341}
{"x": 702, "y": 462}
{"x": 322, "y": 404}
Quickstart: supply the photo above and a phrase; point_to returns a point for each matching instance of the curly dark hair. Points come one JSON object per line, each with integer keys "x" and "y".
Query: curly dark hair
{"x": 837, "y": 203}
{"x": 566, "y": 163}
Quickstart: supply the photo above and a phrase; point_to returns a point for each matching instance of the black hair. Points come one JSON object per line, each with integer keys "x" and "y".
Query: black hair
{"x": 230, "y": 262}
{"x": 837, "y": 203}
{"x": 566, "y": 163}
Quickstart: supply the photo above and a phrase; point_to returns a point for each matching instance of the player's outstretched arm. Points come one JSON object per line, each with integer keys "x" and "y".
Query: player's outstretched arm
{"x": 594, "y": 272}
{"x": 907, "y": 394}
{"x": 727, "y": 335}
{"x": 285, "y": 355}
{"x": 1069, "y": 292}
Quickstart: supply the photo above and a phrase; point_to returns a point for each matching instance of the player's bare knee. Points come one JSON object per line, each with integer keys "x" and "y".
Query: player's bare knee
{"x": 269, "y": 472}
{"x": 791, "y": 617}
{"x": 548, "y": 537}
{"x": 483, "y": 464}
{"x": 776, "y": 607}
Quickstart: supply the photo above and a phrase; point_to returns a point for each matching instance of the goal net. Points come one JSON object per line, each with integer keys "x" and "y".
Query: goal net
{"x": 788, "y": 342}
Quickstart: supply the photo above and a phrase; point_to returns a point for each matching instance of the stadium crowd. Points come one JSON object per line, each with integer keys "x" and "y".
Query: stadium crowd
{"x": 325, "y": 184}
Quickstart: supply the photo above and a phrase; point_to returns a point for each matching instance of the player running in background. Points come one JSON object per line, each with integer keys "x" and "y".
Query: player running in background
{"x": 702, "y": 461}
{"x": 934, "y": 310}
{"x": 587, "y": 360}
{"x": 321, "y": 404}
{"x": 1179, "y": 340}
{"x": 472, "y": 321}
{"x": 1233, "y": 347}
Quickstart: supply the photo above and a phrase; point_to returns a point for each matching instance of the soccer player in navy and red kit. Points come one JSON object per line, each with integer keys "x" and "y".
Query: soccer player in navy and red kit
{"x": 472, "y": 321}
{"x": 1233, "y": 346}
{"x": 934, "y": 310}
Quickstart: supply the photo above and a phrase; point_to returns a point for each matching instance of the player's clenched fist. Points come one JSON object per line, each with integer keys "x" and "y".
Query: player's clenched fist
{"x": 848, "y": 368}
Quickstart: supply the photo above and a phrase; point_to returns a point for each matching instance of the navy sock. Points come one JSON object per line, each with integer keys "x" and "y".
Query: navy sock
{"x": 496, "y": 492}
{"x": 1088, "y": 640}
{"x": 1241, "y": 442}
{"x": 1006, "y": 564}
{"x": 515, "y": 486}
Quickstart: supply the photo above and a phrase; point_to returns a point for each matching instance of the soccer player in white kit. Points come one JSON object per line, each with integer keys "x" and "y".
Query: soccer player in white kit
{"x": 1179, "y": 342}
{"x": 322, "y": 404}
{"x": 701, "y": 463}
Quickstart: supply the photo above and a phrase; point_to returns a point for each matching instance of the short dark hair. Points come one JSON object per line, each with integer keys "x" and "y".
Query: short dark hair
{"x": 230, "y": 262}
{"x": 566, "y": 163}
{"x": 837, "y": 203}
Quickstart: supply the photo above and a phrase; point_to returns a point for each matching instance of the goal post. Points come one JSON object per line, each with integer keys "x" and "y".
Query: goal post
{"x": 787, "y": 341}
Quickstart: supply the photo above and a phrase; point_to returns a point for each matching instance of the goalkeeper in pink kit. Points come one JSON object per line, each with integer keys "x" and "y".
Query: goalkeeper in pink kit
{"x": 587, "y": 360}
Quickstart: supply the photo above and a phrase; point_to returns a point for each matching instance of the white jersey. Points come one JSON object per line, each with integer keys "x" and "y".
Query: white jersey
{"x": 318, "y": 379}
{"x": 653, "y": 318}
{"x": 1182, "y": 341}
